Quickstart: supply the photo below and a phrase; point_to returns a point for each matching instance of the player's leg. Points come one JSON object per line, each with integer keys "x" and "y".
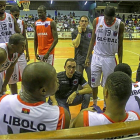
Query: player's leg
{"x": 22, "y": 64}
{"x": 96, "y": 72}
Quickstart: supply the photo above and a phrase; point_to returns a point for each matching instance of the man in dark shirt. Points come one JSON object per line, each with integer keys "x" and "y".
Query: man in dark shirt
{"x": 68, "y": 95}
{"x": 81, "y": 39}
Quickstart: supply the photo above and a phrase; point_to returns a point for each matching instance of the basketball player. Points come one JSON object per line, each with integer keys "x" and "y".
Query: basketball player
{"x": 9, "y": 54}
{"x": 45, "y": 38}
{"x": 28, "y": 111}
{"x": 8, "y": 26}
{"x": 107, "y": 37}
{"x": 22, "y": 61}
{"x": 116, "y": 94}
{"x": 134, "y": 100}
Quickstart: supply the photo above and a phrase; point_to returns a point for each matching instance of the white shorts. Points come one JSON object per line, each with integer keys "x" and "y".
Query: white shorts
{"x": 50, "y": 59}
{"x": 101, "y": 66}
{"x": 18, "y": 70}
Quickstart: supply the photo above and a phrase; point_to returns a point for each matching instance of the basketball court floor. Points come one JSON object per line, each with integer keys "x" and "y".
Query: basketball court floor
{"x": 65, "y": 50}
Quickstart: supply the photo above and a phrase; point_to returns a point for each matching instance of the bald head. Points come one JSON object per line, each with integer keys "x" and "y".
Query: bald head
{"x": 37, "y": 75}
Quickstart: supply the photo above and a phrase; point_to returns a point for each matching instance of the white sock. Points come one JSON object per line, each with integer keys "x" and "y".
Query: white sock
{"x": 95, "y": 101}
{"x": 104, "y": 104}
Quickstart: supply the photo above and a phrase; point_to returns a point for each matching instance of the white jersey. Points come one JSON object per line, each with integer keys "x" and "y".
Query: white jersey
{"x": 20, "y": 25}
{"x": 6, "y": 28}
{"x": 94, "y": 119}
{"x": 18, "y": 116}
{"x": 8, "y": 61}
{"x": 106, "y": 43}
{"x": 133, "y": 102}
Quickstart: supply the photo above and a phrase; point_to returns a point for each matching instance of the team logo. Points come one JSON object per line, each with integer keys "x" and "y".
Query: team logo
{"x": 75, "y": 81}
{"x": 25, "y": 110}
{"x": 9, "y": 19}
{"x": 10, "y": 25}
{"x": 46, "y": 24}
{"x": 136, "y": 86}
{"x": 93, "y": 79}
{"x": 116, "y": 26}
{"x": 115, "y": 33}
{"x": 89, "y": 35}
{"x": 100, "y": 30}
{"x": 101, "y": 26}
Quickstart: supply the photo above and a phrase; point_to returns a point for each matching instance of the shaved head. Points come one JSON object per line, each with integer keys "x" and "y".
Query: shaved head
{"x": 37, "y": 75}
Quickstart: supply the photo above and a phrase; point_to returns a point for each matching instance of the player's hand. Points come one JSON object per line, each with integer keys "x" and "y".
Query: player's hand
{"x": 27, "y": 57}
{"x": 37, "y": 57}
{"x": 87, "y": 62}
{"x": 45, "y": 57}
{"x": 79, "y": 29}
{"x": 71, "y": 98}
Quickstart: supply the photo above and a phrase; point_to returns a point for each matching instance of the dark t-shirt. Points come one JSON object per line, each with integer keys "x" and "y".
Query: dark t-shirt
{"x": 68, "y": 85}
{"x": 81, "y": 51}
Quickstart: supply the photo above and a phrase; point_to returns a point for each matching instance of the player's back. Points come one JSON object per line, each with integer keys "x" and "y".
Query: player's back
{"x": 18, "y": 116}
{"x": 134, "y": 101}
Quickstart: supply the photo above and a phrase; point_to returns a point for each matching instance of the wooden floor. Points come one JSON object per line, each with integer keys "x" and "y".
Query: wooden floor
{"x": 65, "y": 50}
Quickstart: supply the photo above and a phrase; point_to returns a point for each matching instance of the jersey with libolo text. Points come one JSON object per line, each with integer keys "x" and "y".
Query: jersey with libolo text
{"x": 44, "y": 36}
{"x": 6, "y": 28}
{"x": 18, "y": 116}
{"x": 133, "y": 102}
{"x": 106, "y": 43}
{"x": 94, "y": 119}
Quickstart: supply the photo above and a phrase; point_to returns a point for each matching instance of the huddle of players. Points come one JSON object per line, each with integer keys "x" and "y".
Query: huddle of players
{"x": 108, "y": 93}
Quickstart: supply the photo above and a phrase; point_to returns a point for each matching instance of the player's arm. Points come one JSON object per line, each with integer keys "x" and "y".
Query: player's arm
{"x": 120, "y": 42}
{"x": 17, "y": 30}
{"x": 9, "y": 72}
{"x": 54, "y": 102}
{"x": 55, "y": 36}
{"x": 67, "y": 119}
{"x": 86, "y": 89}
{"x": 35, "y": 41}
{"x": 92, "y": 42}
{"x": 27, "y": 51}
{"x": 76, "y": 41}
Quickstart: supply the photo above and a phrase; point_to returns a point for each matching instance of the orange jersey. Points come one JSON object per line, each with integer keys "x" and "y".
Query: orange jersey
{"x": 44, "y": 36}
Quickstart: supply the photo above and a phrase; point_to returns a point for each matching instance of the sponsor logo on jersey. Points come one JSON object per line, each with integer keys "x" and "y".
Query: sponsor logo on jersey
{"x": 93, "y": 79}
{"x": 105, "y": 39}
{"x": 10, "y": 25}
{"x": 25, "y": 110}
{"x": 100, "y": 26}
{"x": 46, "y": 24}
{"x": 42, "y": 34}
{"x": 115, "y": 33}
{"x": 75, "y": 81}
{"x": 89, "y": 35}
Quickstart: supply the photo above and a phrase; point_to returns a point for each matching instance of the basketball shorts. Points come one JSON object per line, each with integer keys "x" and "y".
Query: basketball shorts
{"x": 50, "y": 59}
{"x": 18, "y": 70}
{"x": 101, "y": 67}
